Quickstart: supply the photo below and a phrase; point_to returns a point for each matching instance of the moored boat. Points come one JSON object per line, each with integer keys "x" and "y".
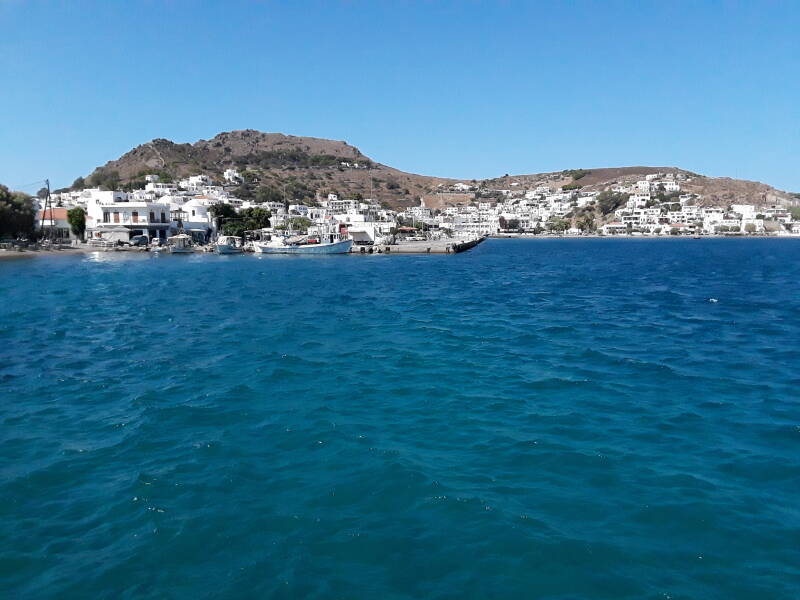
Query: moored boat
{"x": 332, "y": 243}
{"x": 229, "y": 244}
{"x": 180, "y": 244}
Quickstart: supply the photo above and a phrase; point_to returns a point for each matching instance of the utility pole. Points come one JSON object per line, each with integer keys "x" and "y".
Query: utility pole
{"x": 48, "y": 205}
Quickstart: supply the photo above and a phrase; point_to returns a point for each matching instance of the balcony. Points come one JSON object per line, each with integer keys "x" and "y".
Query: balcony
{"x": 137, "y": 223}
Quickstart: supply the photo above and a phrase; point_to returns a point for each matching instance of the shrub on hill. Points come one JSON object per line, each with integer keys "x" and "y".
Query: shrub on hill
{"x": 667, "y": 196}
{"x": 107, "y": 179}
{"x": 267, "y": 193}
{"x": 163, "y": 175}
{"x": 290, "y": 158}
{"x": 609, "y": 201}
{"x": 576, "y": 173}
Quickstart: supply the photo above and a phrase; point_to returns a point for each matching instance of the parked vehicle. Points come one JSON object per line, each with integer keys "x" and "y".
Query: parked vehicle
{"x": 139, "y": 240}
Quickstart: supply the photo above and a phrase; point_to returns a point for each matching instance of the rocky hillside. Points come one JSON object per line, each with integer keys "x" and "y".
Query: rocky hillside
{"x": 302, "y": 167}
{"x": 271, "y": 163}
{"x": 717, "y": 191}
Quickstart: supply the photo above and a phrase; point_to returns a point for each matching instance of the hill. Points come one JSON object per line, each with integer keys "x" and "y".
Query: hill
{"x": 303, "y": 166}
{"x": 275, "y": 164}
{"x": 717, "y": 191}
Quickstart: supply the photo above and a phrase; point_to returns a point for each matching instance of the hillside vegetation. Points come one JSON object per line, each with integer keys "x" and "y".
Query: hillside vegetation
{"x": 271, "y": 163}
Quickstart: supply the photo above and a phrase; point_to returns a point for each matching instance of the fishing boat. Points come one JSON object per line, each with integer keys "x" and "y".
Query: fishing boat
{"x": 330, "y": 243}
{"x": 180, "y": 244}
{"x": 228, "y": 244}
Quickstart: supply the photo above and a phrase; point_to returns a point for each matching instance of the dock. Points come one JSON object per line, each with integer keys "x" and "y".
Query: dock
{"x": 451, "y": 246}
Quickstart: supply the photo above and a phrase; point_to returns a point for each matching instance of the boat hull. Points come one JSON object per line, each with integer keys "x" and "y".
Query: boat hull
{"x": 342, "y": 247}
{"x": 181, "y": 250}
{"x": 226, "y": 249}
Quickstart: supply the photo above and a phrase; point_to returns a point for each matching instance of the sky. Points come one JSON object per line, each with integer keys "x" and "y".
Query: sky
{"x": 453, "y": 89}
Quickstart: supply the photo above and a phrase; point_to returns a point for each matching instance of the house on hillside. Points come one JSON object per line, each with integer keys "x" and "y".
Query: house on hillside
{"x": 232, "y": 176}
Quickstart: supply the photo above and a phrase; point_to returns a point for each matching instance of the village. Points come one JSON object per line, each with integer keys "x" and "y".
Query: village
{"x": 653, "y": 206}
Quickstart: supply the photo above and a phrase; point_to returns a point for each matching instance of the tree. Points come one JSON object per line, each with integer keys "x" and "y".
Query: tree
{"x": 299, "y": 223}
{"x": 557, "y": 225}
{"x": 246, "y": 191}
{"x": 17, "y": 213}
{"x": 248, "y": 219}
{"x": 76, "y": 217}
{"x": 222, "y": 212}
{"x": 587, "y": 223}
{"x": 750, "y": 228}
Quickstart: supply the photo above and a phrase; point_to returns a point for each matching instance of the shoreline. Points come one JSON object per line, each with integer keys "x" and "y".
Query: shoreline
{"x": 82, "y": 250}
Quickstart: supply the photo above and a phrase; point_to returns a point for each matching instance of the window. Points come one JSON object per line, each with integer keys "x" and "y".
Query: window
{"x": 192, "y": 212}
{"x": 135, "y": 216}
{"x": 116, "y": 217}
{"x": 152, "y": 217}
{"x": 163, "y": 218}
{"x": 106, "y": 217}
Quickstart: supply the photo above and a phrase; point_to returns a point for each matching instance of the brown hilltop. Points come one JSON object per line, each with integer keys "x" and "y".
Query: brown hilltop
{"x": 307, "y": 167}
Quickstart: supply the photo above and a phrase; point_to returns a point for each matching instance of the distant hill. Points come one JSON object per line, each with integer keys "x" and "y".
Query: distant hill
{"x": 305, "y": 167}
{"x": 714, "y": 190}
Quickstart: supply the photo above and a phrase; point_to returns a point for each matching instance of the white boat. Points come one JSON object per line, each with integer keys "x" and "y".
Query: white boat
{"x": 228, "y": 244}
{"x": 180, "y": 244}
{"x": 331, "y": 243}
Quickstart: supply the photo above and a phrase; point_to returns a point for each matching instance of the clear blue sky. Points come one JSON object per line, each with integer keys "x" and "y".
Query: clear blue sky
{"x": 467, "y": 89}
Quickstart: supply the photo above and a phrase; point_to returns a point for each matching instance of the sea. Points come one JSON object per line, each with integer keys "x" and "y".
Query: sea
{"x": 555, "y": 418}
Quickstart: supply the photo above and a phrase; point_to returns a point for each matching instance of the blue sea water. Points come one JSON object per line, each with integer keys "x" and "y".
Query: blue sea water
{"x": 531, "y": 419}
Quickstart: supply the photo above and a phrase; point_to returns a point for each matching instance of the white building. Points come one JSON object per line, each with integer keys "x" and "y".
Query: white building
{"x": 232, "y": 176}
{"x": 111, "y": 216}
{"x": 194, "y": 218}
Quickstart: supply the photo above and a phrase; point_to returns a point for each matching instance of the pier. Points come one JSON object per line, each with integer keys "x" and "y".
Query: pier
{"x": 451, "y": 246}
